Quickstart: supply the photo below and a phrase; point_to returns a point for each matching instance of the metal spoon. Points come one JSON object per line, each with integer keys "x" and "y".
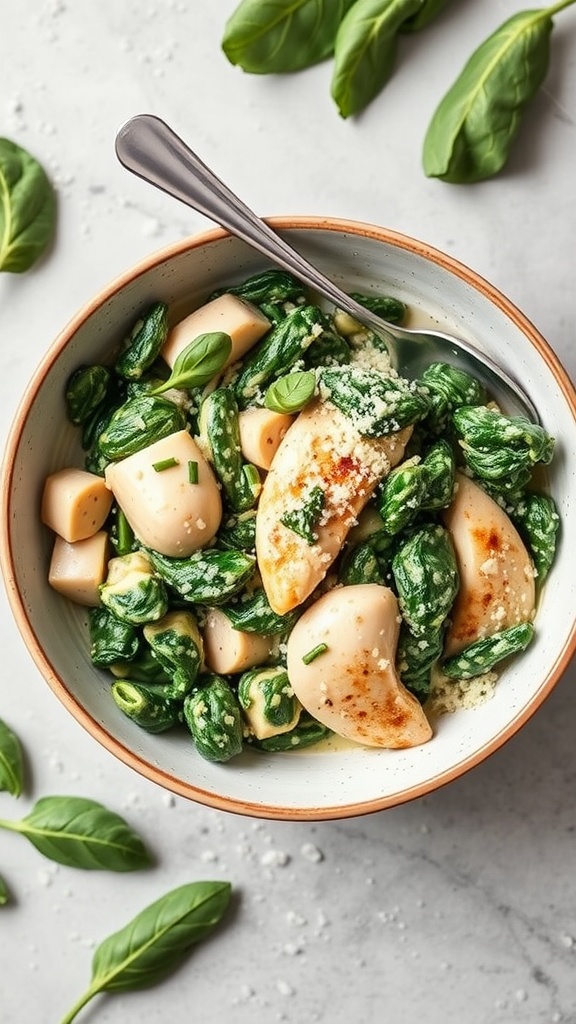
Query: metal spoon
{"x": 150, "y": 149}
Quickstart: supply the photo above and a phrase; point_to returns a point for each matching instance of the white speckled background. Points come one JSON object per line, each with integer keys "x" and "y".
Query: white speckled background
{"x": 456, "y": 909}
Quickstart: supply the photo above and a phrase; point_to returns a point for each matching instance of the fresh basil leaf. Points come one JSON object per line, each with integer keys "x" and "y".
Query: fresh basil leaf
{"x": 3, "y": 892}
{"x": 289, "y": 394}
{"x": 472, "y": 130}
{"x": 304, "y": 519}
{"x": 11, "y": 761}
{"x": 81, "y": 833}
{"x": 428, "y": 10}
{"x": 154, "y": 943}
{"x": 198, "y": 363}
{"x": 27, "y": 208}
{"x": 265, "y": 36}
{"x": 365, "y": 51}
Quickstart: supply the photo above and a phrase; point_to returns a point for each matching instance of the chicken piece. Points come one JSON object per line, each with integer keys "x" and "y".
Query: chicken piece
{"x": 323, "y": 460}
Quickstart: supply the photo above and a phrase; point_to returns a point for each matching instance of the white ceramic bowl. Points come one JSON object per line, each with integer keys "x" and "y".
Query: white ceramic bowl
{"x": 305, "y": 784}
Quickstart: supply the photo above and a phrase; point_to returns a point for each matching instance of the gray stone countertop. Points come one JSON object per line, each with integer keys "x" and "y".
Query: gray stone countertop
{"x": 459, "y": 908}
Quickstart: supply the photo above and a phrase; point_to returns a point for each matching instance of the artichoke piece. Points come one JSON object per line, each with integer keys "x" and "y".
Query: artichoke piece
{"x": 538, "y": 521}
{"x": 253, "y": 614}
{"x": 239, "y": 532}
{"x": 86, "y": 391}
{"x": 137, "y": 424}
{"x": 147, "y": 708}
{"x": 268, "y": 701}
{"x": 306, "y": 733}
{"x": 482, "y": 655}
{"x": 375, "y": 404}
{"x": 448, "y": 389}
{"x": 110, "y": 639}
{"x": 206, "y": 577}
{"x": 426, "y": 576}
{"x": 177, "y": 645}
{"x": 144, "y": 342}
{"x": 415, "y": 656}
{"x": 501, "y": 449}
{"x": 220, "y": 440}
{"x": 132, "y": 592}
{"x": 212, "y": 714}
{"x": 277, "y": 353}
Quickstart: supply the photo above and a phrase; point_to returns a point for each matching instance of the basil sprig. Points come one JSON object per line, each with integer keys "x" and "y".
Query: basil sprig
{"x": 472, "y": 130}
{"x": 198, "y": 363}
{"x": 81, "y": 833}
{"x": 154, "y": 943}
{"x": 11, "y": 761}
{"x": 289, "y": 394}
{"x": 27, "y": 208}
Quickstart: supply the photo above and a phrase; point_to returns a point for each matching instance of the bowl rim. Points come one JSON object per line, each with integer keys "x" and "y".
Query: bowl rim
{"x": 153, "y": 772}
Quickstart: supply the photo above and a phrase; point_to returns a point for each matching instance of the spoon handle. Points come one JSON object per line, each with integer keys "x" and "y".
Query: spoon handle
{"x": 149, "y": 148}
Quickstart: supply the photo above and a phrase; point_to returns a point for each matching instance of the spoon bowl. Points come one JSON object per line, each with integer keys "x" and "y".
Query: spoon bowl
{"x": 149, "y": 148}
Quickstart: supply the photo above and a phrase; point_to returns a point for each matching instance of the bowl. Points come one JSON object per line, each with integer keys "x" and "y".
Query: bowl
{"x": 312, "y": 784}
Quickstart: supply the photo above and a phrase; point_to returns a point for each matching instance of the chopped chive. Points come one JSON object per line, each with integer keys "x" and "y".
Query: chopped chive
{"x": 164, "y": 464}
{"x": 124, "y": 534}
{"x": 252, "y": 478}
{"x": 193, "y": 471}
{"x": 314, "y": 653}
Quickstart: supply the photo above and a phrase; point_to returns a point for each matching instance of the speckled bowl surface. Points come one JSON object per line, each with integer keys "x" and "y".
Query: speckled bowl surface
{"x": 307, "y": 784}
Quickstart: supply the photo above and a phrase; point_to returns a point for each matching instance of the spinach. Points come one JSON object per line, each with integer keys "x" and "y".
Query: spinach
{"x": 303, "y": 520}
{"x": 27, "y": 208}
{"x": 472, "y": 130}
{"x": 265, "y": 36}
{"x": 365, "y": 50}
{"x": 81, "y": 833}
{"x": 11, "y": 761}
{"x": 154, "y": 943}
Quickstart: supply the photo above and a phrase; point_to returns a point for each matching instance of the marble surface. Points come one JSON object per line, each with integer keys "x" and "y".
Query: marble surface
{"x": 460, "y": 907}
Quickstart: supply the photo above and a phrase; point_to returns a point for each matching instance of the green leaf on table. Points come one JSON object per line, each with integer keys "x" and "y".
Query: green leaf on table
{"x": 3, "y": 892}
{"x": 154, "y": 943}
{"x": 472, "y": 130}
{"x": 365, "y": 50}
{"x": 81, "y": 833}
{"x": 11, "y": 761}
{"x": 266, "y": 36}
{"x": 427, "y": 11}
{"x": 27, "y": 208}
